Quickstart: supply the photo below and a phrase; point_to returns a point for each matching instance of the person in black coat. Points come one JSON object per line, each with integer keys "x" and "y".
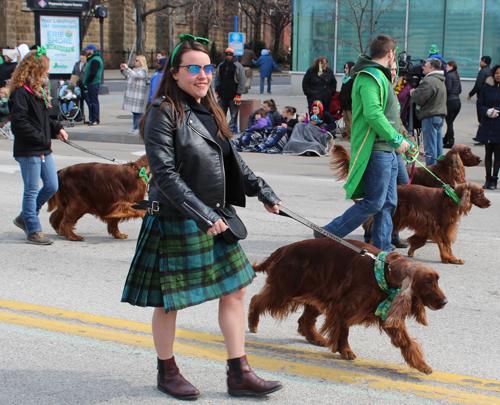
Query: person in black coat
{"x": 488, "y": 132}
{"x": 346, "y": 99}
{"x": 453, "y": 104}
{"x": 319, "y": 83}
{"x": 8, "y": 66}
{"x": 484, "y": 73}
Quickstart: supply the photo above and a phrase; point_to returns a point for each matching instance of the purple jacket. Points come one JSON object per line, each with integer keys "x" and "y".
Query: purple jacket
{"x": 259, "y": 125}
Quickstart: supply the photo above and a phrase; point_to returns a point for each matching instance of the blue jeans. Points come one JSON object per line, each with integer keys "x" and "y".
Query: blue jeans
{"x": 65, "y": 107}
{"x": 136, "y": 117}
{"x": 432, "y": 130}
{"x": 380, "y": 200}
{"x": 262, "y": 85}
{"x": 32, "y": 169}
{"x": 92, "y": 99}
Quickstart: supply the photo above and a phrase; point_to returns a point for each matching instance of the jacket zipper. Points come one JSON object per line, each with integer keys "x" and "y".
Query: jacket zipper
{"x": 222, "y": 158}
{"x": 186, "y": 205}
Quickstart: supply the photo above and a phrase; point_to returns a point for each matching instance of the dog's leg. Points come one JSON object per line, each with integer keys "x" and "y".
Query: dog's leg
{"x": 447, "y": 256}
{"x": 254, "y": 311}
{"x": 343, "y": 345}
{"x": 55, "y": 220}
{"x": 416, "y": 241}
{"x": 67, "y": 226}
{"x": 307, "y": 326}
{"x": 412, "y": 351}
{"x": 113, "y": 228}
{"x": 331, "y": 328}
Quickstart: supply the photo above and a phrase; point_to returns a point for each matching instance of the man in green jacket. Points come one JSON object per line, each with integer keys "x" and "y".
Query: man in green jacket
{"x": 430, "y": 97}
{"x": 92, "y": 81}
{"x": 374, "y": 140}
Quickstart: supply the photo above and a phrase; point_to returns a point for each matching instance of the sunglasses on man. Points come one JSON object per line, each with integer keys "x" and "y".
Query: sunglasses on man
{"x": 195, "y": 69}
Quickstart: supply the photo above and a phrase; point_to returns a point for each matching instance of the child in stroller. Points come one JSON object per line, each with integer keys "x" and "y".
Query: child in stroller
{"x": 69, "y": 102}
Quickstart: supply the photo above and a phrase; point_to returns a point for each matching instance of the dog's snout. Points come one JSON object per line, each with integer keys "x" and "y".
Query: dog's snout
{"x": 480, "y": 160}
{"x": 444, "y": 301}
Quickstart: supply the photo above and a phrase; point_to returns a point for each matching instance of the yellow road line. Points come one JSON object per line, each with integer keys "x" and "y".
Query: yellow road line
{"x": 442, "y": 386}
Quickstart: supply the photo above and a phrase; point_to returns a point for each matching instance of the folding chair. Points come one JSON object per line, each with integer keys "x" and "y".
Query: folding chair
{"x": 5, "y": 130}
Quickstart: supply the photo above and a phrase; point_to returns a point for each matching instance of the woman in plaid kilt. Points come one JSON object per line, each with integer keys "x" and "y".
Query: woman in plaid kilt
{"x": 182, "y": 258}
{"x": 135, "y": 90}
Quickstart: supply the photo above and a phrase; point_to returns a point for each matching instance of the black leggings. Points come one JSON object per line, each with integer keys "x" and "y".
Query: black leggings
{"x": 489, "y": 149}
{"x": 453, "y": 107}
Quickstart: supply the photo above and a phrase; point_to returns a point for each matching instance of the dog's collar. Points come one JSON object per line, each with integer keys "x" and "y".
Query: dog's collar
{"x": 385, "y": 306}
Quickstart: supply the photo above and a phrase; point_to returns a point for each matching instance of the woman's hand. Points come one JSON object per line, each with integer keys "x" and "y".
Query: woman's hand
{"x": 218, "y": 227}
{"x": 274, "y": 209}
{"x": 62, "y": 135}
{"x": 284, "y": 125}
{"x": 123, "y": 66}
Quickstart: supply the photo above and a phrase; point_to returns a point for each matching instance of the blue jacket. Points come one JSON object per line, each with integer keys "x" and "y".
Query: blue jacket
{"x": 153, "y": 85}
{"x": 489, "y": 129}
{"x": 267, "y": 65}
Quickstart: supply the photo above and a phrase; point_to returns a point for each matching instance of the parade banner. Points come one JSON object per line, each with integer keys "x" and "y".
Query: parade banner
{"x": 61, "y": 37}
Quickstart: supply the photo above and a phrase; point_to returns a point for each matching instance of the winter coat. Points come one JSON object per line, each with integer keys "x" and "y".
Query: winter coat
{"x": 6, "y": 70}
{"x": 153, "y": 85}
{"x": 453, "y": 86}
{"x": 375, "y": 119}
{"x": 258, "y": 125}
{"x": 93, "y": 69}
{"x": 489, "y": 129}
{"x": 267, "y": 65}
{"x": 135, "y": 89}
{"x": 430, "y": 96}
{"x": 247, "y": 58}
{"x": 274, "y": 118}
{"x": 345, "y": 97}
{"x": 230, "y": 80}
{"x": 4, "y": 110}
{"x": 188, "y": 168}
{"x": 319, "y": 87}
{"x": 483, "y": 74}
{"x": 30, "y": 124}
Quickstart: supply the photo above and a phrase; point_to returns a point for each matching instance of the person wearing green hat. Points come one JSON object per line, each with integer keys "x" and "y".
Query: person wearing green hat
{"x": 434, "y": 54}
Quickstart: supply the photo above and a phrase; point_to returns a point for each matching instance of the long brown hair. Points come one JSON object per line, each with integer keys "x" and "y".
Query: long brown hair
{"x": 454, "y": 66}
{"x": 174, "y": 95}
{"x": 315, "y": 65}
{"x": 30, "y": 72}
{"x": 271, "y": 104}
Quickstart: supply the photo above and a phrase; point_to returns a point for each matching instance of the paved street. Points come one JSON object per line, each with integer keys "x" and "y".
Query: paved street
{"x": 66, "y": 338}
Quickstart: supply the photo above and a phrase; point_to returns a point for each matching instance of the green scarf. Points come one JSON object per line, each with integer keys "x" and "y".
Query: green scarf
{"x": 345, "y": 78}
{"x": 385, "y": 306}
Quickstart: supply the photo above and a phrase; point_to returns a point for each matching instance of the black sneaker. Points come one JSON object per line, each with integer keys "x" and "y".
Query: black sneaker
{"x": 19, "y": 222}
{"x": 38, "y": 238}
{"x": 400, "y": 244}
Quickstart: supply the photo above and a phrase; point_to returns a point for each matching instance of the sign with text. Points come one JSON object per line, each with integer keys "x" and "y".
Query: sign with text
{"x": 66, "y": 5}
{"x": 236, "y": 41}
{"x": 61, "y": 37}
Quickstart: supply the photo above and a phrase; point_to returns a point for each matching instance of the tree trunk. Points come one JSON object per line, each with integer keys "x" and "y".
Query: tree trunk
{"x": 139, "y": 28}
{"x": 159, "y": 39}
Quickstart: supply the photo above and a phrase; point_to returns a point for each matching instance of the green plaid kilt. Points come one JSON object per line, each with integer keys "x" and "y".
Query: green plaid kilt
{"x": 176, "y": 265}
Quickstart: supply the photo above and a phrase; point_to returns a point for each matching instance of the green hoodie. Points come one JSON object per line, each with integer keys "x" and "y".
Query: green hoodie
{"x": 375, "y": 119}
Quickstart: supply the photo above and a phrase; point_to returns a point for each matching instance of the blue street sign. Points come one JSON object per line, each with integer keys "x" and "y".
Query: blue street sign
{"x": 236, "y": 41}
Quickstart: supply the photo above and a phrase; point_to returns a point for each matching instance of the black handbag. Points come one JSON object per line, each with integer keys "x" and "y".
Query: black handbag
{"x": 236, "y": 229}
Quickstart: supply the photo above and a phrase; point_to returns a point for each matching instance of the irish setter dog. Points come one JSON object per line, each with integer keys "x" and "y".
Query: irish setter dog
{"x": 434, "y": 215}
{"x": 329, "y": 278}
{"x": 450, "y": 169}
{"x": 106, "y": 191}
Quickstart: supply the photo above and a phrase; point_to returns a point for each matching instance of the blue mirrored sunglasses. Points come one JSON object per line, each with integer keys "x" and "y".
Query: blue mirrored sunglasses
{"x": 195, "y": 69}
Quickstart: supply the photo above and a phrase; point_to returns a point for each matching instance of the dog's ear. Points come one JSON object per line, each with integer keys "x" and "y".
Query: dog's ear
{"x": 465, "y": 202}
{"x": 418, "y": 311}
{"x": 401, "y": 305}
{"x": 457, "y": 168}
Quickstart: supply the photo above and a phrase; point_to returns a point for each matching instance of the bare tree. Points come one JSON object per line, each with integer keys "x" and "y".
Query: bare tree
{"x": 364, "y": 16}
{"x": 89, "y": 16}
{"x": 142, "y": 13}
{"x": 207, "y": 14}
{"x": 279, "y": 16}
{"x": 255, "y": 10}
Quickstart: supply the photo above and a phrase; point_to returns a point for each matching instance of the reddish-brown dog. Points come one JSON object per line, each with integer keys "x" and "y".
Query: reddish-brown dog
{"x": 331, "y": 279}
{"x": 450, "y": 169}
{"x": 104, "y": 190}
{"x": 434, "y": 215}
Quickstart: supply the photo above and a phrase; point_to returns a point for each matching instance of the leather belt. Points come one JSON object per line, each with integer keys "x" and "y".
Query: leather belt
{"x": 153, "y": 208}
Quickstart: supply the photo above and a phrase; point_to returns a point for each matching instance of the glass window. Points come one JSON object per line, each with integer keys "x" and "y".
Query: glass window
{"x": 314, "y": 32}
{"x": 491, "y": 39}
{"x": 463, "y": 45}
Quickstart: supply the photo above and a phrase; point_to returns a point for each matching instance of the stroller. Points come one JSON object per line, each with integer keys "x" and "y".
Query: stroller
{"x": 69, "y": 103}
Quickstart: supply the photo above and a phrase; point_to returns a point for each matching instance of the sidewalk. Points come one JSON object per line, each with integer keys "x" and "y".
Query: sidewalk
{"x": 115, "y": 122}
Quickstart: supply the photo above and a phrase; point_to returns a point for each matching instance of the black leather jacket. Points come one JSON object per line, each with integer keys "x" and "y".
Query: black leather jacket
{"x": 188, "y": 169}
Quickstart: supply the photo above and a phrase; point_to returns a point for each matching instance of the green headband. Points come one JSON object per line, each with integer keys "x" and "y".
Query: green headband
{"x": 187, "y": 38}
{"x": 40, "y": 51}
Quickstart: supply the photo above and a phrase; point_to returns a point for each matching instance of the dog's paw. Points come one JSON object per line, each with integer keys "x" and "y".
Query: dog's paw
{"x": 411, "y": 253}
{"x": 253, "y": 329}
{"x": 120, "y": 236}
{"x": 425, "y": 369}
{"x": 348, "y": 354}
{"x": 76, "y": 238}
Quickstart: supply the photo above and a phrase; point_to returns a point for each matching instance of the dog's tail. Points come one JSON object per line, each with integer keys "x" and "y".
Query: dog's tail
{"x": 267, "y": 265}
{"x": 339, "y": 163}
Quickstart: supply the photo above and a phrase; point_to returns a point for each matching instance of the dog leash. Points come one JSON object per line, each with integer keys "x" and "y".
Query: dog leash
{"x": 74, "y": 145}
{"x": 362, "y": 252}
{"x": 447, "y": 188}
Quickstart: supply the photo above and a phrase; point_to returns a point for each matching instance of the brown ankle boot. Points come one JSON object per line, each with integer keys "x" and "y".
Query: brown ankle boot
{"x": 171, "y": 381}
{"x": 241, "y": 380}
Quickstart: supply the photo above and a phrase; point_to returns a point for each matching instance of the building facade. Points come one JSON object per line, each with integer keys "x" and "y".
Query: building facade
{"x": 462, "y": 30}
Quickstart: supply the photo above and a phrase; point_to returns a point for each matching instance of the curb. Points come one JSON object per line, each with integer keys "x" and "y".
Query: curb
{"x": 114, "y": 137}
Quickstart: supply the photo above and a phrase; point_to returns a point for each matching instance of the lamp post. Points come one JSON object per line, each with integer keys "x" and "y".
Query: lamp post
{"x": 102, "y": 13}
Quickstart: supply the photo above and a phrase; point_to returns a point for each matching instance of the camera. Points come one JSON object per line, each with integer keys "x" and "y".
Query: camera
{"x": 412, "y": 69}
